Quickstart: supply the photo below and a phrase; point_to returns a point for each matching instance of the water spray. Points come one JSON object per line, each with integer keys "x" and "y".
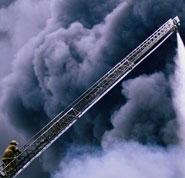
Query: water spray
{"x": 178, "y": 86}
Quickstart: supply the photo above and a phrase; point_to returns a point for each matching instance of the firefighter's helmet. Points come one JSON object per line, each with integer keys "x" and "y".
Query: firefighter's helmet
{"x": 13, "y": 142}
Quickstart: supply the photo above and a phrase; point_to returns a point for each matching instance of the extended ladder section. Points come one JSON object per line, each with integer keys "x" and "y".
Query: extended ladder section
{"x": 63, "y": 121}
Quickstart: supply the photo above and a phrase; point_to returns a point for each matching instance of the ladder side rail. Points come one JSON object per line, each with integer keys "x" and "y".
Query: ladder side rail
{"x": 112, "y": 70}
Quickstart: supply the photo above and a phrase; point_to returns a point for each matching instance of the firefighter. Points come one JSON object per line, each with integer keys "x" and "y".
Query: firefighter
{"x": 9, "y": 155}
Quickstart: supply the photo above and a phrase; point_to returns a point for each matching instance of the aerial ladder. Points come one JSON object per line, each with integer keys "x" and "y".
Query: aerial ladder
{"x": 64, "y": 120}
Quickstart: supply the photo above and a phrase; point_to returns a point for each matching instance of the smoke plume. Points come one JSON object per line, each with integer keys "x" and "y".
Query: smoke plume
{"x": 148, "y": 116}
{"x": 125, "y": 160}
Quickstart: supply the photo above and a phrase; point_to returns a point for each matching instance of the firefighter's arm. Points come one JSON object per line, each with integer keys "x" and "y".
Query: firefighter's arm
{"x": 18, "y": 150}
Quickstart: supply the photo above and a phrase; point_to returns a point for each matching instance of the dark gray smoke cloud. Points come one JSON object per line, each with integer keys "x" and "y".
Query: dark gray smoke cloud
{"x": 59, "y": 48}
{"x": 87, "y": 12}
{"x": 6, "y": 3}
{"x": 148, "y": 116}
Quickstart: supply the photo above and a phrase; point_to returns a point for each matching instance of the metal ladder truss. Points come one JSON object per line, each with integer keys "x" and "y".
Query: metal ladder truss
{"x": 64, "y": 120}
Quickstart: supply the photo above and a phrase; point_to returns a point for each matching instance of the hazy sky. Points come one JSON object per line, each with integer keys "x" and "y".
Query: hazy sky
{"x": 53, "y": 50}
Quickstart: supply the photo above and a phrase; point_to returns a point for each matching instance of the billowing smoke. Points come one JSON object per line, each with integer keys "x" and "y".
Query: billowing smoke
{"x": 125, "y": 160}
{"x": 53, "y": 50}
{"x": 18, "y": 25}
{"x": 148, "y": 116}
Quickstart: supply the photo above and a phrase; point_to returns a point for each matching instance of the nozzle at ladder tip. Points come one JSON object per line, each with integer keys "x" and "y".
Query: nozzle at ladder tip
{"x": 176, "y": 21}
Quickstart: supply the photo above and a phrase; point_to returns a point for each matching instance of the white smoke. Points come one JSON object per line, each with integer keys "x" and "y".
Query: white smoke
{"x": 126, "y": 160}
{"x": 178, "y": 86}
{"x": 18, "y": 25}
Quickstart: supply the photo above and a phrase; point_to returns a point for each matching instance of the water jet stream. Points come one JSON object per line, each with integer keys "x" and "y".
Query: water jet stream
{"x": 178, "y": 86}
